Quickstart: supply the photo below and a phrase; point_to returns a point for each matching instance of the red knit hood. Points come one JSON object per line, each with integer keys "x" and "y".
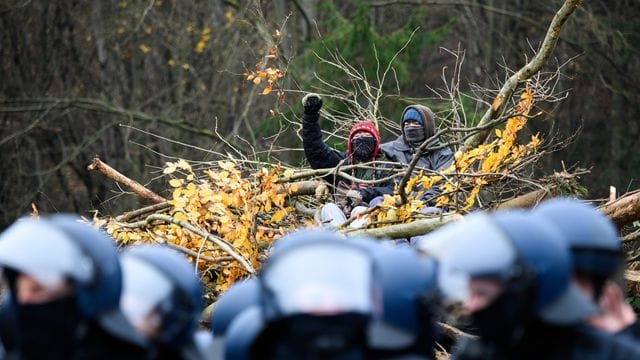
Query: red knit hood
{"x": 369, "y": 127}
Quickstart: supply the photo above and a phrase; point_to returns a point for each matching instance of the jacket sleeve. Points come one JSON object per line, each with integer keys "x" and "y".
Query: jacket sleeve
{"x": 386, "y": 188}
{"x": 440, "y": 160}
{"x": 319, "y": 155}
{"x": 369, "y": 193}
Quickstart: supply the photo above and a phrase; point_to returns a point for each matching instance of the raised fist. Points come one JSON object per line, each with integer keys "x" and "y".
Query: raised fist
{"x": 312, "y": 103}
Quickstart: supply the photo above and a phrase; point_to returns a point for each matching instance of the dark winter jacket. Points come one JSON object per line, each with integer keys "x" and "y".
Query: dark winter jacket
{"x": 321, "y": 156}
{"x": 399, "y": 150}
{"x": 551, "y": 342}
{"x": 632, "y": 332}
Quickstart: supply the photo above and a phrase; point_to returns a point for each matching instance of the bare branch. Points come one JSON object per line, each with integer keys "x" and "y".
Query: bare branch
{"x": 136, "y": 187}
{"x": 130, "y": 215}
{"x": 47, "y": 104}
{"x": 207, "y": 236}
{"x": 528, "y": 70}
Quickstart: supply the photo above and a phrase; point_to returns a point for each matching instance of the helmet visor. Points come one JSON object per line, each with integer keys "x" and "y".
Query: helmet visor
{"x": 321, "y": 279}
{"x": 35, "y": 248}
{"x": 144, "y": 288}
{"x": 469, "y": 249}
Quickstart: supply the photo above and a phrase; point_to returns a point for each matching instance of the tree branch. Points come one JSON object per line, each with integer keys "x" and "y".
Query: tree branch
{"x": 46, "y": 104}
{"x": 136, "y": 187}
{"x": 207, "y": 236}
{"x": 415, "y": 228}
{"x": 541, "y": 57}
{"x": 424, "y": 147}
{"x": 130, "y": 215}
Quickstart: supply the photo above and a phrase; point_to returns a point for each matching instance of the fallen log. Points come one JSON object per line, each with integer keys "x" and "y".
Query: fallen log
{"x": 415, "y": 228}
{"x": 527, "y": 200}
{"x": 624, "y": 210}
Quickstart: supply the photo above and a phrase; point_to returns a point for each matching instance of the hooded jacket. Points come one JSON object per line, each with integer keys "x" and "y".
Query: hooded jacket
{"x": 321, "y": 156}
{"x": 401, "y": 151}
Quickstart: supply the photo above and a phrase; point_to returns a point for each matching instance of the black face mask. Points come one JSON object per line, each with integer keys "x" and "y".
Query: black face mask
{"x": 503, "y": 321}
{"x": 414, "y": 134}
{"x": 47, "y": 330}
{"x": 362, "y": 148}
{"x": 308, "y": 337}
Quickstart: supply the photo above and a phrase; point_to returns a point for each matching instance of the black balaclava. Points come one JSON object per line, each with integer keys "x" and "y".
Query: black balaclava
{"x": 504, "y": 320}
{"x": 413, "y": 135}
{"x": 363, "y": 148}
{"x": 48, "y": 330}
{"x": 340, "y": 337}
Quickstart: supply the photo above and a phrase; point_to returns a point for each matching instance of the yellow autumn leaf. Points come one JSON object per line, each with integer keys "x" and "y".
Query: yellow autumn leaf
{"x": 229, "y": 16}
{"x": 535, "y": 141}
{"x": 267, "y": 90}
{"x": 170, "y": 167}
{"x": 278, "y": 215}
{"x": 144, "y": 48}
{"x": 200, "y": 47}
{"x": 183, "y": 164}
{"x": 182, "y": 217}
{"x": 176, "y": 182}
{"x": 227, "y": 165}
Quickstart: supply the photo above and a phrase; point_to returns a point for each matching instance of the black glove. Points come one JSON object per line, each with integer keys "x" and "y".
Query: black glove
{"x": 312, "y": 103}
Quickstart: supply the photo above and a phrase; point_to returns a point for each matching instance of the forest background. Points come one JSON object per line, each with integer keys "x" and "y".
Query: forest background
{"x": 141, "y": 83}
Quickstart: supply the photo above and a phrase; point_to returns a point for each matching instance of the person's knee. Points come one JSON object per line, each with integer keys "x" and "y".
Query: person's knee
{"x": 331, "y": 215}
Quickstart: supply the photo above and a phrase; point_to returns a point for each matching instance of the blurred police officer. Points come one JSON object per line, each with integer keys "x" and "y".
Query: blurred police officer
{"x": 162, "y": 298}
{"x": 598, "y": 262}
{"x": 512, "y": 271}
{"x": 64, "y": 284}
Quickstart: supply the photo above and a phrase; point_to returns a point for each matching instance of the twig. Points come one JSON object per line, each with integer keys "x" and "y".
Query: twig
{"x": 195, "y": 254}
{"x": 128, "y": 216}
{"x": 207, "y": 236}
{"x": 634, "y": 236}
{"x": 304, "y": 210}
{"x": 454, "y": 332}
{"x": 136, "y": 187}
